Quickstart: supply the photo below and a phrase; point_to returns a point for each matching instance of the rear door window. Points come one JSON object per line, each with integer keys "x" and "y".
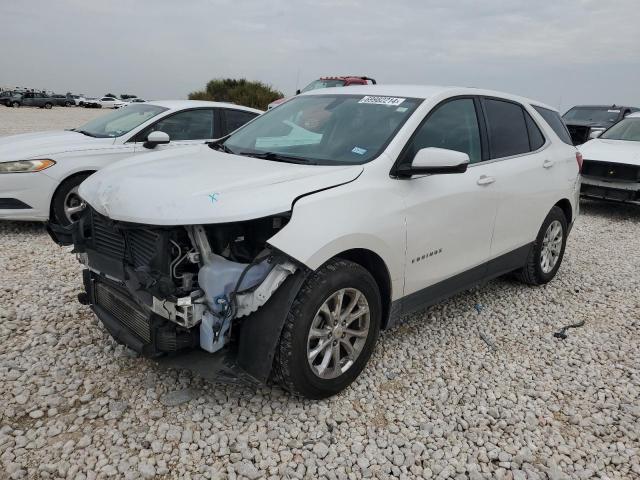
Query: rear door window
{"x": 234, "y": 119}
{"x": 506, "y": 128}
{"x": 555, "y": 122}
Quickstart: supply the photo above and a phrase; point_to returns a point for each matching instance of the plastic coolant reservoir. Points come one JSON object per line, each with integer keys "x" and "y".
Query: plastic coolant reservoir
{"x": 218, "y": 278}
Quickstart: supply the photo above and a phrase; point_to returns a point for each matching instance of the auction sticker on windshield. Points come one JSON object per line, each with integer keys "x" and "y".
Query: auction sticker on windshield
{"x": 393, "y": 101}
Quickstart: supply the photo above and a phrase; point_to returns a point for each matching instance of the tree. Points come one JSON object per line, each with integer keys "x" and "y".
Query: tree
{"x": 238, "y": 91}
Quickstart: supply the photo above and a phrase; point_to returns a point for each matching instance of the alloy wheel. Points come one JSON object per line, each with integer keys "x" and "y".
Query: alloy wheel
{"x": 73, "y": 204}
{"x": 551, "y": 246}
{"x": 338, "y": 333}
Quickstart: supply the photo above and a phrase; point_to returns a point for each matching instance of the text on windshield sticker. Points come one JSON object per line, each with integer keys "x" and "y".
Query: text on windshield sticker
{"x": 393, "y": 101}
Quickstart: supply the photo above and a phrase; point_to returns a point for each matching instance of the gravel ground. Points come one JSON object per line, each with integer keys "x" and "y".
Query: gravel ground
{"x": 476, "y": 387}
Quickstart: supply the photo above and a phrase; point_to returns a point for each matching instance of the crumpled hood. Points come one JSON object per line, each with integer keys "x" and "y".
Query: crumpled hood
{"x": 617, "y": 151}
{"x": 198, "y": 185}
{"x": 41, "y": 144}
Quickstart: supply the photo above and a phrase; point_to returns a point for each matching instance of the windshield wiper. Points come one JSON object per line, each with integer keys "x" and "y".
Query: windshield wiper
{"x": 220, "y": 147}
{"x": 277, "y": 157}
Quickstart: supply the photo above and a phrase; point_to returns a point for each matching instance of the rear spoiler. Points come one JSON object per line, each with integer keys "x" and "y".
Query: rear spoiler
{"x": 372, "y": 80}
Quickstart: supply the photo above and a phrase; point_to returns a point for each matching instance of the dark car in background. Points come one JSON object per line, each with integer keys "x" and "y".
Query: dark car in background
{"x": 63, "y": 100}
{"x": 5, "y": 97}
{"x": 584, "y": 120}
{"x": 32, "y": 99}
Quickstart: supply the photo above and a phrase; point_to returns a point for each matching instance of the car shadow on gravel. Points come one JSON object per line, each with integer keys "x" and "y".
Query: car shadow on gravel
{"x": 7, "y": 227}
{"x": 613, "y": 210}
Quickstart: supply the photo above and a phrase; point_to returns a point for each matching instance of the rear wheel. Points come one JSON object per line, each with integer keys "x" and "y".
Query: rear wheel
{"x": 67, "y": 104}
{"x": 67, "y": 204}
{"x": 15, "y": 104}
{"x": 547, "y": 252}
{"x": 330, "y": 331}
{"x": 48, "y": 106}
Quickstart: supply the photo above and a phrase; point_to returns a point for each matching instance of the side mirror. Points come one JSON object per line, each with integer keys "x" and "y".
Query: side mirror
{"x": 298, "y": 92}
{"x": 595, "y": 134}
{"x": 432, "y": 160}
{"x": 156, "y": 138}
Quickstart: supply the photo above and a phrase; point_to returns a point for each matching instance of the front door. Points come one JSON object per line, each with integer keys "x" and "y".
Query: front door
{"x": 184, "y": 128}
{"x": 450, "y": 217}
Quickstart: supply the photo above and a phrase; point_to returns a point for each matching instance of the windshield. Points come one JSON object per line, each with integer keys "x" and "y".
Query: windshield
{"x": 628, "y": 129}
{"x": 121, "y": 121}
{"x": 324, "y": 129}
{"x": 316, "y": 84}
{"x": 593, "y": 114}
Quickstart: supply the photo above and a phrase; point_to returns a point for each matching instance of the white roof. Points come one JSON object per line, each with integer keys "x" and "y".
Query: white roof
{"x": 182, "y": 104}
{"x": 421, "y": 91}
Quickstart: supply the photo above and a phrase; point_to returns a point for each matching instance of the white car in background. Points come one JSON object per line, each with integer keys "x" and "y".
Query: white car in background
{"x": 611, "y": 169}
{"x": 40, "y": 172}
{"x": 285, "y": 247}
{"x": 111, "y": 102}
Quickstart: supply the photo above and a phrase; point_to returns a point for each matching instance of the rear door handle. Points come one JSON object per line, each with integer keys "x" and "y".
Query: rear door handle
{"x": 485, "y": 180}
{"x": 547, "y": 164}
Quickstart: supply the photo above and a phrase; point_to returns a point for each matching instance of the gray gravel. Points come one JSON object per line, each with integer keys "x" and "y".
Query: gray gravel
{"x": 476, "y": 387}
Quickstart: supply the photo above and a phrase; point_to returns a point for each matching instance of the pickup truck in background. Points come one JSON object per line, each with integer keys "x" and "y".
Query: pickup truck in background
{"x": 583, "y": 121}
{"x": 327, "y": 82}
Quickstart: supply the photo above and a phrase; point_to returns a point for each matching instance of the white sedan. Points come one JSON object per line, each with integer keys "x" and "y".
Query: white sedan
{"x": 111, "y": 102}
{"x": 611, "y": 169}
{"x": 40, "y": 172}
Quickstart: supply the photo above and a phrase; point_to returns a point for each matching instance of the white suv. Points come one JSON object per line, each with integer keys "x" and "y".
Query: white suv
{"x": 280, "y": 251}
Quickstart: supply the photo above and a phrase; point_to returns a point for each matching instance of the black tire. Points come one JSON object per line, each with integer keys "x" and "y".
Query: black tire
{"x": 291, "y": 367}
{"x": 48, "y": 106}
{"x": 15, "y": 104}
{"x": 67, "y": 104}
{"x": 57, "y": 203}
{"x": 532, "y": 273}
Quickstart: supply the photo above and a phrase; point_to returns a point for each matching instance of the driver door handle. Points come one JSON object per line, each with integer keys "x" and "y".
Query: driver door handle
{"x": 485, "y": 180}
{"x": 547, "y": 164}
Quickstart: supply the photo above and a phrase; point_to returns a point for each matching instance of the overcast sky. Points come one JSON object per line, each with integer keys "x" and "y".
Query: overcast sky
{"x": 561, "y": 52}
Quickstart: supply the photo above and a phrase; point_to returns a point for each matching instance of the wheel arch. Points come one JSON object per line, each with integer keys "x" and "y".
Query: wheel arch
{"x": 376, "y": 266}
{"x": 567, "y": 209}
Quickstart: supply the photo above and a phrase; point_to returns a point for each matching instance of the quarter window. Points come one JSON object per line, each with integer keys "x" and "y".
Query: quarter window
{"x": 536, "y": 139}
{"x": 188, "y": 125}
{"x": 555, "y": 122}
{"x": 454, "y": 126}
{"x": 506, "y": 127}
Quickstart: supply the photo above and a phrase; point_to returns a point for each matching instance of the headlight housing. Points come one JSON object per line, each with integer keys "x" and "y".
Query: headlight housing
{"x": 26, "y": 166}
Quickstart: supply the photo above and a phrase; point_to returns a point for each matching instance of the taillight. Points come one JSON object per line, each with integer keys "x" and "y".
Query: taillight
{"x": 579, "y": 160}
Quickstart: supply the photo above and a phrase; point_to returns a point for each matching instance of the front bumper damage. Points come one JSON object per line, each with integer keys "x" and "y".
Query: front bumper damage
{"x": 224, "y": 332}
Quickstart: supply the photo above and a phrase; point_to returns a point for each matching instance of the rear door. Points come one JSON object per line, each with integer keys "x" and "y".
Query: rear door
{"x": 27, "y": 99}
{"x": 525, "y": 173}
{"x": 233, "y": 119}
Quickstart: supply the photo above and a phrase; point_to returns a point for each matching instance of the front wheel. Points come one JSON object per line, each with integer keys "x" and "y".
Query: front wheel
{"x": 330, "y": 331}
{"x": 547, "y": 252}
{"x": 15, "y": 104}
{"x": 48, "y": 106}
{"x": 67, "y": 204}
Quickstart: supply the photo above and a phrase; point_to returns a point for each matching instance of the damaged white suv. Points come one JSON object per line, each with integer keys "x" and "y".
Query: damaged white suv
{"x": 279, "y": 252}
